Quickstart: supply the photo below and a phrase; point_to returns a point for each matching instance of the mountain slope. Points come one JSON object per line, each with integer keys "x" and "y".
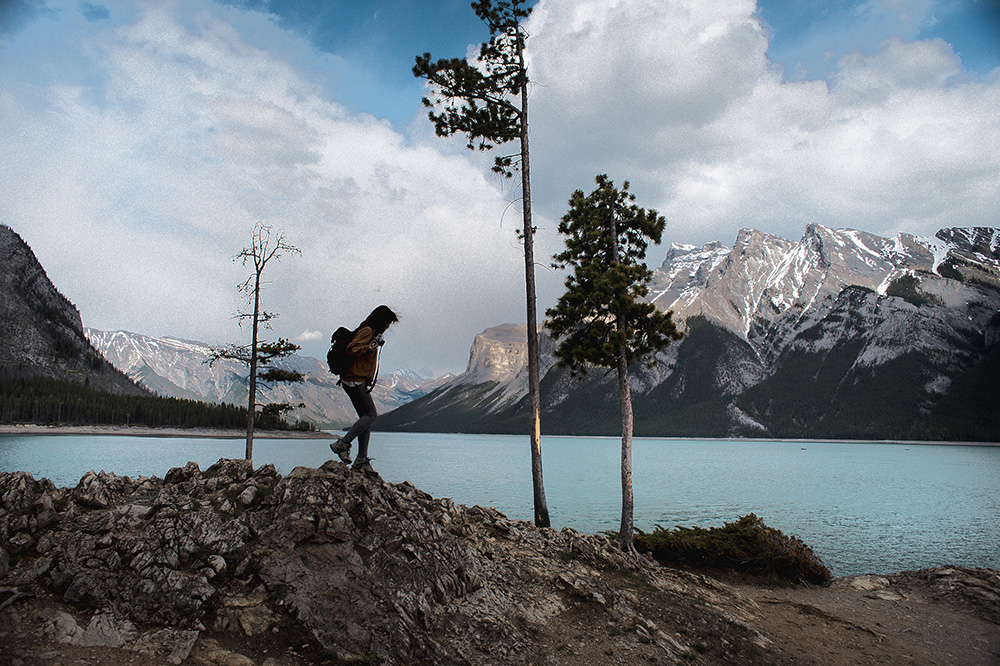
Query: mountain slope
{"x": 179, "y": 368}
{"x": 841, "y": 334}
{"x": 41, "y": 331}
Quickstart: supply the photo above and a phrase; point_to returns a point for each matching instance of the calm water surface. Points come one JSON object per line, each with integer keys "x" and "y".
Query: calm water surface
{"x": 861, "y": 507}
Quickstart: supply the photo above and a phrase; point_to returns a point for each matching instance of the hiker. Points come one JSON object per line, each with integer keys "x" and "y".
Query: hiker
{"x": 358, "y": 381}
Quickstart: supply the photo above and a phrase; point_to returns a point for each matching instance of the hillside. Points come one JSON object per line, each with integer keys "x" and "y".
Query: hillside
{"x": 41, "y": 330}
{"x": 841, "y": 334}
{"x": 51, "y": 374}
{"x": 233, "y": 565}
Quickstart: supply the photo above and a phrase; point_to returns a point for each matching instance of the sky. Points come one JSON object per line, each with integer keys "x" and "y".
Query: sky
{"x": 143, "y": 139}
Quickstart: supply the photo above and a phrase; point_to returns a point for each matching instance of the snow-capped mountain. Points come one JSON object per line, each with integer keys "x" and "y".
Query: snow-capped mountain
{"x": 763, "y": 276}
{"x": 181, "y": 369}
{"x": 842, "y": 333}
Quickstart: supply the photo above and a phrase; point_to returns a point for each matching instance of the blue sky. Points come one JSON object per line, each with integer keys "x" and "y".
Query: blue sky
{"x": 378, "y": 40}
{"x": 811, "y": 33}
{"x": 143, "y": 138}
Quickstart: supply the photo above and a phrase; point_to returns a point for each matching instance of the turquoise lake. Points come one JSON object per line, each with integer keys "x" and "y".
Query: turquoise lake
{"x": 862, "y": 507}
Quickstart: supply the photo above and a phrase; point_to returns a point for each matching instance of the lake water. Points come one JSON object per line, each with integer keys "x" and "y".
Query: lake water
{"x": 862, "y": 507}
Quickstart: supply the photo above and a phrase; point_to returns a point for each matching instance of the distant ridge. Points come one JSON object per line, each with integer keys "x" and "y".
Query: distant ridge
{"x": 842, "y": 334}
{"x": 178, "y": 368}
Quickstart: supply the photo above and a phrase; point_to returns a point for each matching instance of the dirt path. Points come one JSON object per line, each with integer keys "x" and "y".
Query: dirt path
{"x": 943, "y": 617}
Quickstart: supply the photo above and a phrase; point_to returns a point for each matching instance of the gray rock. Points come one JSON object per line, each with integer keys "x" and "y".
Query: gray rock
{"x": 63, "y": 628}
{"x": 212, "y": 654}
{"x": 105, "y": 630}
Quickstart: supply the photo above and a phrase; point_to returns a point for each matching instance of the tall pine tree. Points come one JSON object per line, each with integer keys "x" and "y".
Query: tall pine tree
{"x": 489, "y": 104}
{"x": 604, "y": 319}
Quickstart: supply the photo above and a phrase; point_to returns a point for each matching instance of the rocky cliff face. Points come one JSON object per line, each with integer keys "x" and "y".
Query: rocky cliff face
{"x": 41, "y": 330}
{"x": 493, "y": 387}
{"x": 786, "y": 339}
{"x": 498, "y": 354}
{"x": 763, "y": 276}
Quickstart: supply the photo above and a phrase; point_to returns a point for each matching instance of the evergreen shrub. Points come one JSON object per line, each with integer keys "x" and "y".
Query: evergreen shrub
{"x": 747, "y": 546}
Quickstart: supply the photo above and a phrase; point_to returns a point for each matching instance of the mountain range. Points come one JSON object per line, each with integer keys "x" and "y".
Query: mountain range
{"x": 43, "y": 336}
{"x": 180, "y": 368}
{"x": 841, "y": 334}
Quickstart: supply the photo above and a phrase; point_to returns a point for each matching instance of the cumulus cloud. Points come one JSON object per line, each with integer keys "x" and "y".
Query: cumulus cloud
{"x": 309, "y": 336}
{"x": 679, "y": 98}
{"x": 143, "y": 148}
{"x": 138, "y": 188}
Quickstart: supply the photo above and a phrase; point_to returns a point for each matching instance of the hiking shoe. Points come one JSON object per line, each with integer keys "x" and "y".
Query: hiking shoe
{"x": 342, "y": 449}
{"x": 364, "y": 465}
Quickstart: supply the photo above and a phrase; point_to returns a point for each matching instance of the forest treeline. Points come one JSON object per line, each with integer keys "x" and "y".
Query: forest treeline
{"x": 46, "y": 401}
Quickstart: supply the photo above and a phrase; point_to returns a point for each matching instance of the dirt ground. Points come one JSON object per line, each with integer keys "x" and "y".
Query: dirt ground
{"x": 858, "y": 621}
{"x": 845, "y": 626}
{"x": 848, "y": 623}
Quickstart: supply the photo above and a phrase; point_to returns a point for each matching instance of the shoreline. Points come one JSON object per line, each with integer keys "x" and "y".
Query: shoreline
{"x": 813, "y": 440}
{"x": 218, "y": 433}
{"x": 145, "y": 431}
{"x": 732, "y": 440}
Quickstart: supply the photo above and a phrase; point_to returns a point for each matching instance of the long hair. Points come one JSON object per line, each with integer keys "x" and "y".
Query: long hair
{"x": 380, "y": 319}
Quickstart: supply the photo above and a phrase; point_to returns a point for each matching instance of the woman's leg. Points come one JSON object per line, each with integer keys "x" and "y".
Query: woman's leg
{"x": 365, "y": 407}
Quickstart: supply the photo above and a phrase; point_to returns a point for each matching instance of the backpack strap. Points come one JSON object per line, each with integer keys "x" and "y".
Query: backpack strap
{"x": 378, "y": 356}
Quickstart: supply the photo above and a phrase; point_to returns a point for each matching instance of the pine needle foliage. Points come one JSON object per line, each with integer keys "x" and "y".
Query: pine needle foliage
{"x": 604, "y": 318}
{"x": 604, "y": 310}
{"x": 266, "y": 245}
{"x": 481, "y": 100}
{"x": 487, "y": 101}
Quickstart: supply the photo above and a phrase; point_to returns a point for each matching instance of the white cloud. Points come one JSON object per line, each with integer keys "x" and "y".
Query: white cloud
{"x": 142, "y": 149}
{"x": 679, "y": 98}
{"x": 137, "y": 190}
{"x": 309, "y": 336}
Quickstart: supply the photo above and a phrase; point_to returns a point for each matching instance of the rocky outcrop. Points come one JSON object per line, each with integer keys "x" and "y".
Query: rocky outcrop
{"x": 498, "y": 354}
{"x": 232, "y": 565}
{"x": 356, "y": 567}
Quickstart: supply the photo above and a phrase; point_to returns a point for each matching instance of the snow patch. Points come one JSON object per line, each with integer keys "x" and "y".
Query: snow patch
{"x": 742, "y": 418}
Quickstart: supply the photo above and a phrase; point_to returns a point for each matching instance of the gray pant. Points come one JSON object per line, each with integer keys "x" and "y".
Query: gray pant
{"x": 365, "y": 407}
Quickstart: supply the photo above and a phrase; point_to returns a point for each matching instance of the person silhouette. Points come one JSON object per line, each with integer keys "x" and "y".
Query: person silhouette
{"x": 358, "y": 381}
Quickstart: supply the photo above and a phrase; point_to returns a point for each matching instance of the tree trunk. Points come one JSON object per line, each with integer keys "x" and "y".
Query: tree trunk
{"x": 252, "y": 398}
{"x": 625, "y": 532}
{"x": 624, "y": 538}
{"x": 534, "y": 397}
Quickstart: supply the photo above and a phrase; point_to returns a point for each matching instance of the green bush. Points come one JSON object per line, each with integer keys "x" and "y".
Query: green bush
{"x": 747, "y": 546}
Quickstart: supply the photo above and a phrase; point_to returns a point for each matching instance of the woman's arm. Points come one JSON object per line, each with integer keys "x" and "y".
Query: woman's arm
{"x": 362, "y": 342}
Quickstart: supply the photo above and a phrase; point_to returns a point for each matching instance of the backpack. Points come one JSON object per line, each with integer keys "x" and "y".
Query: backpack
{"x": 337, "y": 358}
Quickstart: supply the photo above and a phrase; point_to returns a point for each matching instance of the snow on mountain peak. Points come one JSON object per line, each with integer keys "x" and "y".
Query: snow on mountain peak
{"x": 763, "y": 276}
{"x": 179, "y": 368}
